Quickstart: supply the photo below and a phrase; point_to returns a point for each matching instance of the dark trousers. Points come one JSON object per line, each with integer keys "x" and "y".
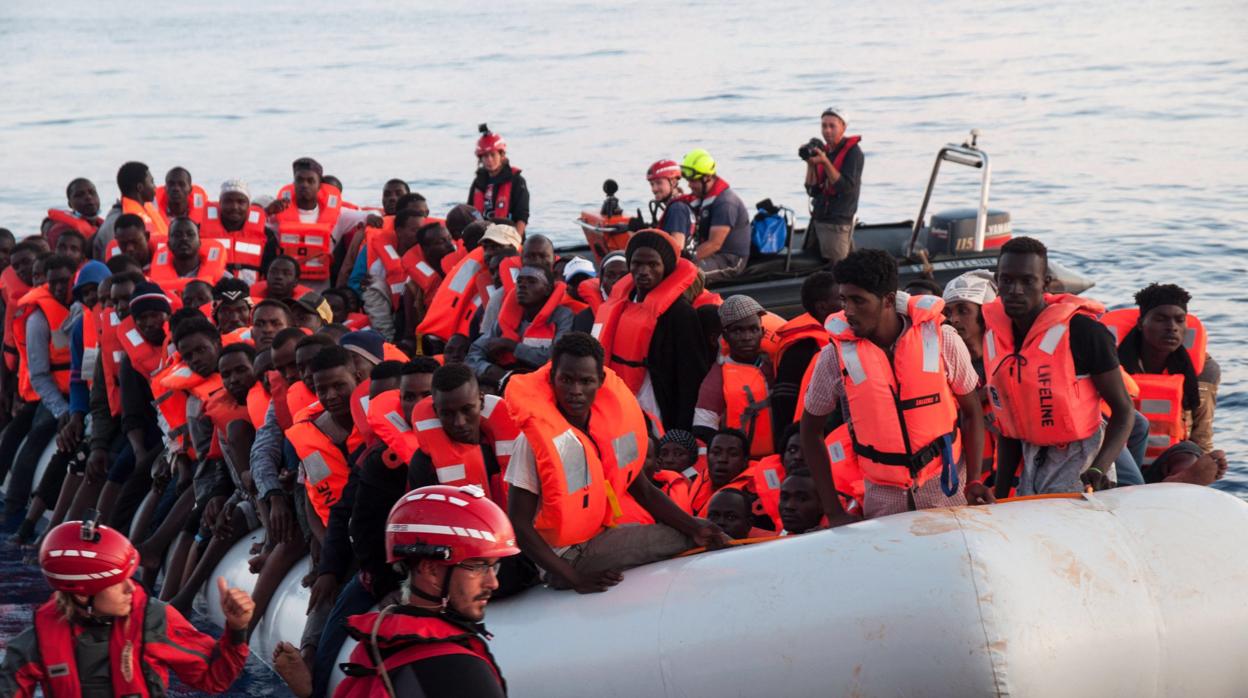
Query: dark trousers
{"x": 22, "y": 475}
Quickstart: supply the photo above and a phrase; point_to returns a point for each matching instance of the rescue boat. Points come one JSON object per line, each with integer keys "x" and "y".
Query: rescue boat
{"x": 1129, "y": 592}
{"x": 940, "y": 246}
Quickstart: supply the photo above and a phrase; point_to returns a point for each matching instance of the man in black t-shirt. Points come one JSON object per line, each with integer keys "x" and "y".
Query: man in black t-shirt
{"x": 723, "y": 221}
{"x": 833, "y": 180}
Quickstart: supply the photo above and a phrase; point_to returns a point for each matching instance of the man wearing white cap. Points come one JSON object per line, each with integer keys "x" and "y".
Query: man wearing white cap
{"x": 239, "y": 225}
{"x": 833, "y": 179}
{"x": 964, "y": 298}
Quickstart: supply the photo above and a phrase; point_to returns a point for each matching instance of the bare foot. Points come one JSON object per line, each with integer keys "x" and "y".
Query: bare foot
{"x": 256, "y": 563}
{"x": 289, "y": 665}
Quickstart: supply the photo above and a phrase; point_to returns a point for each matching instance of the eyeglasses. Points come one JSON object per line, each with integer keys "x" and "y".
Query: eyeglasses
{"x": 476, "y": 569}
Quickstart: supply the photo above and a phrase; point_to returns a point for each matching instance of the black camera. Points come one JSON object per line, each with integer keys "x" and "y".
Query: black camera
{"x": 808, "y": 150}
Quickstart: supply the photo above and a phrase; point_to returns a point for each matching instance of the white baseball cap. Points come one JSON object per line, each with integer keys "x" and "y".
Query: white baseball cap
{"x": 974, "y": 287}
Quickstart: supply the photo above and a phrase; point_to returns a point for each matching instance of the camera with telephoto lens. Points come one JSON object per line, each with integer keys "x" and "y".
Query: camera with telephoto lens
{"x": 808, "y": 150}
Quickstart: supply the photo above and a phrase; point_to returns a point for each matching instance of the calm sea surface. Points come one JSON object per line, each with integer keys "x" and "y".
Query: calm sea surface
{"x": 1116, "y": 129}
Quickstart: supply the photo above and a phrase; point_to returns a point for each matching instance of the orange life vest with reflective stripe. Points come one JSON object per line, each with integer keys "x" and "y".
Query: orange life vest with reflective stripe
{"x": 310, "y": 244}
{"x": 223, "y": 409}
{"x": 747, "y": 401}
{"x": 153, "y": 218}
{"x": 110, "y": 354}
{"x": 1035, "y": 394}
{"x": 1160, "y": 395}
{"x": 457, "y": 299}
{"x": 69, "y": 218}
{"x": 457, "y": 463}
{"x": 171, "y": 387}
{"x": 244, "y": 247}
{"x": 324, "y": 463}
{"x": 145, "y": 358}
{"x": 625, "y": 327}
{"x": 58, "y": 341}
{"x": 903, "y": 415}
{"x": 584, "y": 476}
{"x": 91, "y": 322}
{"x": 769, "y": 474}
{"x": 541, "y": 331}
{"x": 426, "y": 278}
{"x": 212, "y": 266}
{"x": 196, "y": 203}
{"x": 744, "y": 481}
{"x": 381, "y": 245}
{"x": 388, "y": 425}
{"x": 801, "y": 328}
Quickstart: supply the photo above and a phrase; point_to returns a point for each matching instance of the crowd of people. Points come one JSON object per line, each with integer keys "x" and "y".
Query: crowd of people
{"x": 445, "y": 410}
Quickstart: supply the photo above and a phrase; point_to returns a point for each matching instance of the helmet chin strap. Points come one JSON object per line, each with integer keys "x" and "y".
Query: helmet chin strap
{"x": 443, "y": 597}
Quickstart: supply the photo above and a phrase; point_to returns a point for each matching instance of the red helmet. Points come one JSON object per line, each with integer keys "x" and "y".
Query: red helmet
{"x": 490, "y": 142}
{"x": 448, "y": 524}
{"x": 81, "y": 557}
{"x": 663, "y": 169}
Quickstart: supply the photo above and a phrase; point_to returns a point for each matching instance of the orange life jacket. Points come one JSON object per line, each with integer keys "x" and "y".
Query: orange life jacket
{"x": 426, "y": 278}
{"x": 310, "y": 244}
{"x": 457, "y": 298}
{"x": 494, "y": 201}
{"x": 1159, "y": 396}
{"x": 1035, "y": 394}
{"x": 770, "y": 343}
{"x": 625, "y": 327}
{"x": 212, "y": 267}
{"x": 769, "y": 474}
{"x": 324, "y": 463}
{"x": 172, "y": 385}
{"x": 381, "y": 245}
{"x": 458, "y": 463}
{"x": 196, "y": 203}
{"x": 244, "y": 247}
{"x": 747, "y": 400}
{"x": 389, "y": 426}
{"x": 801, "y": 328}
{"x": 583, "y": 476}
{"x": 58, "y": 341}
{"x": 12, "y": 288}
{"x": 145, "y": 358}
{"x": 903, "y": 415}
{"x": 258, "y": 401}
{"x": 71, "y": 219}
{"x": 91, "y": 323}
{"x": 541, "y": 331}
{"x": 153, "y": 218}
{"x": 111, "y": 352}
{"x": 590, "y": 291}
{"x": 221, "y": 408}
{"x": 57, "y": 641}
{"x": 744, "y": 481}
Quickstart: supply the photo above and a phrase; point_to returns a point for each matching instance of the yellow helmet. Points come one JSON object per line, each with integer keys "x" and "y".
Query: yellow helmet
{"x": 697, "y": 164}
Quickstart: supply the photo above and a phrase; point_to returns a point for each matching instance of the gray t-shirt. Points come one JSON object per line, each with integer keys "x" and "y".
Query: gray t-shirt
{"x": 727, "y": 209}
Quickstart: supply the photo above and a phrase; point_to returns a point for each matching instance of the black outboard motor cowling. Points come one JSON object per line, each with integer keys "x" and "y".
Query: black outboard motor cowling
{"x": 953, "y": 232}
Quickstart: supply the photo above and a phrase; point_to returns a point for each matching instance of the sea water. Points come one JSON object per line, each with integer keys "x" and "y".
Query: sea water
{"x": 1116, "y": 129}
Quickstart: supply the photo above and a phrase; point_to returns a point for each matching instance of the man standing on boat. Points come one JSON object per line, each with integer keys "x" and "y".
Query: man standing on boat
{"x": 833, "y": 179}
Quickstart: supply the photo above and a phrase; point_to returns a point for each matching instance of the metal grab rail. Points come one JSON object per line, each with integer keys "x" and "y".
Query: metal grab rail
{"x": 970, "y": 155}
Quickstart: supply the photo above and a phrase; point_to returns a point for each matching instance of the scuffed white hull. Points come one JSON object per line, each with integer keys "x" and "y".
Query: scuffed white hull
{"x": 1135, "y": 592}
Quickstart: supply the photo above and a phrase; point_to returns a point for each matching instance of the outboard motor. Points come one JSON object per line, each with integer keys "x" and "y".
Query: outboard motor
{"x": 953, "y": 232}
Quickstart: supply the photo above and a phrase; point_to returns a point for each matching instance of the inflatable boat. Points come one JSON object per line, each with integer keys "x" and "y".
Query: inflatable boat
{"x": 1130, "y": 592}
{"x": 940, "y": 246}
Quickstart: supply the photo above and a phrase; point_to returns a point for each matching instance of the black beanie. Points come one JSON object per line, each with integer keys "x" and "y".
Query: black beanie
{"x": 657, "y": 242}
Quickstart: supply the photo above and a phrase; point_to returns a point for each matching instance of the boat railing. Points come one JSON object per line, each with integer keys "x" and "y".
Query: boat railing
{"x": 970, "y": 155}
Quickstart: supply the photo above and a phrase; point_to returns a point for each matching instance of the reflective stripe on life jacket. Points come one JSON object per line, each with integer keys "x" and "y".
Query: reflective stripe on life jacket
{"x": 405, "y": 635}
{"x": 540, "y": 332}
{"x": 145, "y": 358}
{"x": 196, "y": 203}
{"x": 457, "y": 298}
{"x": 57, "y": 640}
{"x": 91, "y": 322}
{"x": 457, "y": 463}
{"x": 244, "y": 247}
{"x": 422, "y": 273}
{"x": 1035, "y": 394}
{"x": 494, "y": 201}
{"x": 324, "y": 463}
{"x": 111, "y": 353}
{"x": 58, "y": 354}
{"x": 583, "y": 476}
{"x": 213, "y": 258}
{"x": 310, "y": 244}
{"x": 747, "y": 400}
{"x": 625, "y": 327}
{"x": 389, "y": 426}
{"x": 903, "y": 415}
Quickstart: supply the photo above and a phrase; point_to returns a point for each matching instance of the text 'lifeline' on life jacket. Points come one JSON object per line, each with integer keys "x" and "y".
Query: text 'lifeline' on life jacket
{"x": 584, "y": 476}
{"x": 1035, "y": 394}
{"x": 1160, "y": 395}
{"x": 903, "y": 415}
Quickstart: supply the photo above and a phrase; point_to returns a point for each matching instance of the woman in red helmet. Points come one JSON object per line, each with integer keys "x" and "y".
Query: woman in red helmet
{"x": 667, "y": 211}
{"x": 498, "y": 191}
{"x": 100, "y": 634}
{"x": 450, "y": 541}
